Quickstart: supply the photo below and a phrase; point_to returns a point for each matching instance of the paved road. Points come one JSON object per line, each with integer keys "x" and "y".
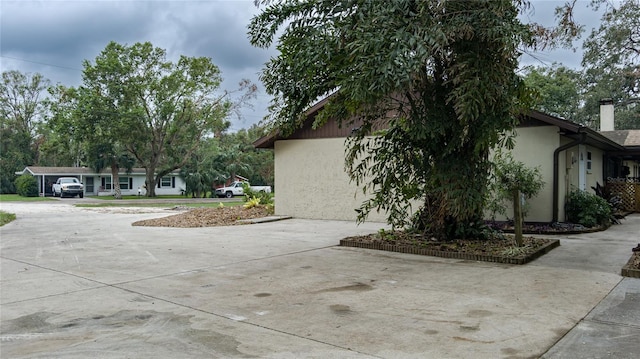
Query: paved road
{"x": 81, "y": 283}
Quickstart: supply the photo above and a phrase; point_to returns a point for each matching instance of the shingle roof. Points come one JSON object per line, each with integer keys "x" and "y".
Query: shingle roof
{"x": 624, "y": 137}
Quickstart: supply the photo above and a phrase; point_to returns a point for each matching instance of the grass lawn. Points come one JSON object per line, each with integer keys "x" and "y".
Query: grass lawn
{"x": 6, "y": 218}
{"x": 17, "y": 198}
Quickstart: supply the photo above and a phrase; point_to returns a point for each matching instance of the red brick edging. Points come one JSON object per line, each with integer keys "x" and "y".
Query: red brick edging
{"x": 455, "y": 255}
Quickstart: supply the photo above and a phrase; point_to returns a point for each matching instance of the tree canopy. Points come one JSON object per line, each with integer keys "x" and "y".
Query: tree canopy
{"x": 611, "y": 70}
{"x": 157, "y": 110}
{"x": 435, "y": 79}
{"x": 612, "y": 64}
{"x": 558, "y": 91}
{"x": 21, "y": 112}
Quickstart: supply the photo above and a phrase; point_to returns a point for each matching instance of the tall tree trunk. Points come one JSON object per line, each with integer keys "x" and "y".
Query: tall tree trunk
{"x": 116, "y": 179}
{"x": 151, "y": 183}
{"x": 517, "y": 218}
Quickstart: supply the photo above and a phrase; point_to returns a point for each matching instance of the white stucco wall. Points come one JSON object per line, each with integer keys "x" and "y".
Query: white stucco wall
{"x": 310, "y": 181}
{"x": 534, "y": 147}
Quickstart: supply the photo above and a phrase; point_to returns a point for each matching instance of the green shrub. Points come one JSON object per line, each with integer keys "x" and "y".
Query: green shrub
{"x": 27, "y": 186}
{"x": 252, "y": 202}
{"x": 587, "y": 209}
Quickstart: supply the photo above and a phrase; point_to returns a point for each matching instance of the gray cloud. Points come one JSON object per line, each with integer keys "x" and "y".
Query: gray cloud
{"x": 53, "y": 37}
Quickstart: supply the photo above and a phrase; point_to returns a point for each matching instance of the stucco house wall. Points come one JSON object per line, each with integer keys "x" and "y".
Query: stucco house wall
{"x": 311, "y": 181}
{"x": 534, "y": 147}
{"x": 318, "y": 187}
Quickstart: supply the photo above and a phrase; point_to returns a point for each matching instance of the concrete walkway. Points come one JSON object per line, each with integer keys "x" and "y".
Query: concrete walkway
{"x": 84, "y": 283}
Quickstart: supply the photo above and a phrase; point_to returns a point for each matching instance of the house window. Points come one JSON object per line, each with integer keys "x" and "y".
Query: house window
{"x": 165, "y": 182}
{"x": 106, "y": 183}
{"x": 126, "y": 183}
{"x": 588, "y": 162}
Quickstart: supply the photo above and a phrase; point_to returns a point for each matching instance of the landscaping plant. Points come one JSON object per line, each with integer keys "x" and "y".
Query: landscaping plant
{"x": 511, "y": 181}
{"x": 587, "y": 209}
{"x": 614, "y": 200}
{"x": 27, "y": 186}
{"x": 262, "y": 196}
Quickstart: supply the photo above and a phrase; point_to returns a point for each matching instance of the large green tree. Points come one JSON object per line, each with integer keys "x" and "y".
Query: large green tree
{"x": 612, "y": 64}
{"x": 240, "y": 157}
{"x": 225, "y": 155}
{"x": 63, "y": 145}
{"x": 89, "y": 123}
{"x": 434, "y": 80}
{"x": 159, "y": 110}
{"x": 557, "y": 89}
{"x": 21, "y": 111}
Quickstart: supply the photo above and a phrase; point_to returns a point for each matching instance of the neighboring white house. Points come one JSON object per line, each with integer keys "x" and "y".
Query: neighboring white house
{"x": 312, "y": 183}
{"x": 101, "y": 184}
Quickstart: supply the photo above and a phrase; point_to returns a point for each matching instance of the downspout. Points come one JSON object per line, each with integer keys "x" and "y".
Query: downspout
{"x": 556, "y": 184}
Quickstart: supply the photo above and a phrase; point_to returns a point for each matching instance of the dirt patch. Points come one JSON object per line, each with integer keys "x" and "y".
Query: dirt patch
{"x": 207, "y": 217}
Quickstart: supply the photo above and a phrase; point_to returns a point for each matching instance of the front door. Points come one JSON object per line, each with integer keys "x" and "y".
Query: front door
{"x": 88, "y": 185}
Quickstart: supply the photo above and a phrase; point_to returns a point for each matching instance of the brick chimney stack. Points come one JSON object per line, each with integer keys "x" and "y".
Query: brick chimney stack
{"x": 607, "y": 122}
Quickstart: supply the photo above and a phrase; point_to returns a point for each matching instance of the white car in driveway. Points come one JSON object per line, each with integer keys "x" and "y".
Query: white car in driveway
{"x": 68, "y": 186}
{"x": 236, "y": 189}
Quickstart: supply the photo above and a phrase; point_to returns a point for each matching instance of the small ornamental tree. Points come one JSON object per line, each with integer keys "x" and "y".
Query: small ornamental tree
{"x": 27, "y": 186}
{"x": 512, "y": 180}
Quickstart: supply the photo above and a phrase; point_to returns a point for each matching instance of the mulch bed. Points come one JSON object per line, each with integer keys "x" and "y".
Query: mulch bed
{"x": 492, "y": 250}
{"x": 545, "y": 228}
{"x": 207, "y": 217}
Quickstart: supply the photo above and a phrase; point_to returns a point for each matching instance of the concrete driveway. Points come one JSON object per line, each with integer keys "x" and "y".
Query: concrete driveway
{"x": 84, "y": 283}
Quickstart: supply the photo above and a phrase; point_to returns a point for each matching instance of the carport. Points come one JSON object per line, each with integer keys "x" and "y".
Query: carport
{"x": 47, "y": 176}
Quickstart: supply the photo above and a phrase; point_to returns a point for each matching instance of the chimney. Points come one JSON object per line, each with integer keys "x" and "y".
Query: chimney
{"x": 606, "y": 115}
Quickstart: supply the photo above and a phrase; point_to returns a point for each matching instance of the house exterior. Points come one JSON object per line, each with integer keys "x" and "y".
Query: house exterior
{"x": 101, "y": 184}
{"x": 312, "y": 182}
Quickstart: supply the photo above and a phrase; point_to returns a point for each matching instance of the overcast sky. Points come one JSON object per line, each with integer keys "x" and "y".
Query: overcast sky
{"x": 53, "y": 37}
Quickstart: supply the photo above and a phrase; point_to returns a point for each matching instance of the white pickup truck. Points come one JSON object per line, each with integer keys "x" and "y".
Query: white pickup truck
{"x": 235, "y": 189}
{"x": 68, "y": 186}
